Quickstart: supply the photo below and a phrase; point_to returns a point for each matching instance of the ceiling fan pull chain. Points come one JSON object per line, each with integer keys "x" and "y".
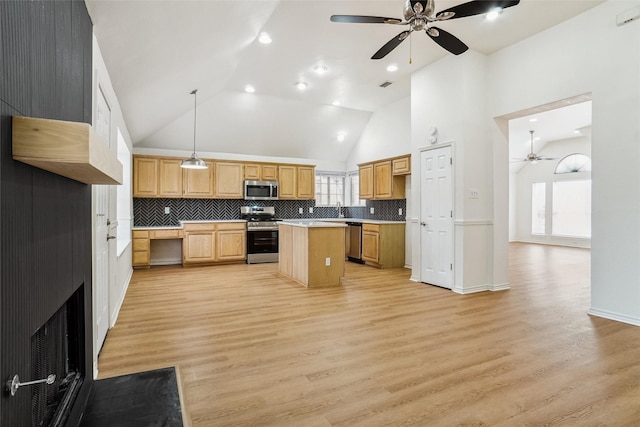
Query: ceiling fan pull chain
{"x": 411, "y": 47}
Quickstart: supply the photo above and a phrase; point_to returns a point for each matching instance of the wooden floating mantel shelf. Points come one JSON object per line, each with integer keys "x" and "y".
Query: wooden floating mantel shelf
{"x": 70, "y": 149}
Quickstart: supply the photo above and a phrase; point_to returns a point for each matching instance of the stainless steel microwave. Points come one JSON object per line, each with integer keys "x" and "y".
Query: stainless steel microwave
{"x": 261, "y": 190}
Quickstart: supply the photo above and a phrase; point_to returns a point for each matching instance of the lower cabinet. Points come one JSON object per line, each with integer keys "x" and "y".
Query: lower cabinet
{"x": 209, "y": 242}
{"x": 383, "y": 244}
{"x": 199, "y": 243}
{"x": 231, "y": 243}
{"x": 141, "y": 243}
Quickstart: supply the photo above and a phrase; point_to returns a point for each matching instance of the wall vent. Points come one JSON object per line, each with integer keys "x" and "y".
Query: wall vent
{"x": 385, "y": 84}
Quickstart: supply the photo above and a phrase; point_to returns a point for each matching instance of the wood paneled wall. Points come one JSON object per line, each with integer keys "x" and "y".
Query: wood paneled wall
{"x": 45, "y": 219}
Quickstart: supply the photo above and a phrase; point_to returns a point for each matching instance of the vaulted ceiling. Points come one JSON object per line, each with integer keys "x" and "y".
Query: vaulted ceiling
{"x": 157, "y": 52}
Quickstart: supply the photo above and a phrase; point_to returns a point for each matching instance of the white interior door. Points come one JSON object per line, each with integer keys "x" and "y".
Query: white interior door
{"x": 436, "y": 217}
{"x": 101, "y": 234}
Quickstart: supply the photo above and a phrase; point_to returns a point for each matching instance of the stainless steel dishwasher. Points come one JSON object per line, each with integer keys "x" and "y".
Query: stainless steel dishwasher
{"x": 353, "y": 246}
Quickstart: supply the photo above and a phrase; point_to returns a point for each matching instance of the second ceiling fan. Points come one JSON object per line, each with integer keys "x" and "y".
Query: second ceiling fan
{"x": 419, "y": 15}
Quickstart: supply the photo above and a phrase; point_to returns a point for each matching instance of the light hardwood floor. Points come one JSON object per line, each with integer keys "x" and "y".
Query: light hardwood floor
{"x": 256, "y": 349}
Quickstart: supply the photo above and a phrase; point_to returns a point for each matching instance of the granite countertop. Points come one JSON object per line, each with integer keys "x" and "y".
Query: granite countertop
{"x": 358, "y": 220}
{"x": 179, "y": 227}
{"x": 313, "y": 224}
{"x": 301, "y": 222}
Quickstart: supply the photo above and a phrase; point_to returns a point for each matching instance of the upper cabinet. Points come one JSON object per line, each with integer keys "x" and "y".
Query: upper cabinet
{"x": 198, "y": 183}
{"x": 145, "y": 177}
{"x": 384, "y": 179}
{"x": 156, "y": 176}
{"x": 296, "y": 182}
{"x": 229, "y": 180}
{"x": 170, "y": 178}
{"x": 260, "y": 172}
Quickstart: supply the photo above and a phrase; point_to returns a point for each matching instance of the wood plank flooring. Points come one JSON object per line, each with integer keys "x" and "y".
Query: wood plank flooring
{"x": 257, "y": 349}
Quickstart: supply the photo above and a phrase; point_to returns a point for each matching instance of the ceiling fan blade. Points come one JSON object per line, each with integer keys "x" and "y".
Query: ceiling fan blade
{"x": 546, "y": 158}
{"x": 390, "y": 45}
{"x": 447, "y": 40}
{"x": 357, "y": 19}
{"x": 477, "y": 7}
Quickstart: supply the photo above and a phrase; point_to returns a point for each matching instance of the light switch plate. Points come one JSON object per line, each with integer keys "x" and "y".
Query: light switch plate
{"x": 372, "y": 210}
{"x": 310, "y": 209}
{"x": 327, "y": 261}
{"x": 167, "y": 210}
{"x": 300, "y": 210}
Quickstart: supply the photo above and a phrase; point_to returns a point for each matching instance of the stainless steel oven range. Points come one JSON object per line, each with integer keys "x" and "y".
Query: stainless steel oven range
{"x": 262, "y": 233}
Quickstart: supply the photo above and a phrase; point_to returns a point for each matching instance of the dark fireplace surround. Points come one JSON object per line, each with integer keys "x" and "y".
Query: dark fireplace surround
{"x": 45, "y": 219}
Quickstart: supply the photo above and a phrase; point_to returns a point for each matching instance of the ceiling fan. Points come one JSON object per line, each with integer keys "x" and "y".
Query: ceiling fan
{"x": 532, "y": 157}
{"x": 419, "y": 15}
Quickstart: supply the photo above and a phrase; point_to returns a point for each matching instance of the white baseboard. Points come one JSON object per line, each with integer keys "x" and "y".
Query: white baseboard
{"x": 635, "y": 321}
{"x": 481, "y": 288}
{"x": 116, "y": 312}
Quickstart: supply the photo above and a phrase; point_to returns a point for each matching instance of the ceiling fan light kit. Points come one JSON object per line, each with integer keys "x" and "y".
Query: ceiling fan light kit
{"x": 419, "y": 16}
{"x": 194, "y": 162}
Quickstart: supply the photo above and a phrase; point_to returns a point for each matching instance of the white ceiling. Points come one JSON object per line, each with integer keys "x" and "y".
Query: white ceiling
{"x": 158, "y": 51}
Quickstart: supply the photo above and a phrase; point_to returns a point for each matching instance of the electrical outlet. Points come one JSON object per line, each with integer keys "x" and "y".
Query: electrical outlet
{"x": 310, "y": 209}
{"x": 167, "y": 210}
{"x": 400, "y": 211}
{"x": 327, "y": 261}
{"x": 300, "y": 211}
{"x": 372, "y": 210}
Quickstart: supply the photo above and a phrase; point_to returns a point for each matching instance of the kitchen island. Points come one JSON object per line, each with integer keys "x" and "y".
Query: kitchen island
{"x": 312, "y": 252}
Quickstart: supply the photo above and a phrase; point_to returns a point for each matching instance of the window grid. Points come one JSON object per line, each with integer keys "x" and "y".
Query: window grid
{"x": 329, "y": 189}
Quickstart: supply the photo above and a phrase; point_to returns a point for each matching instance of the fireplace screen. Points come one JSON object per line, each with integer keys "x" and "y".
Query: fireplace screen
{"x": 55, "y": 349}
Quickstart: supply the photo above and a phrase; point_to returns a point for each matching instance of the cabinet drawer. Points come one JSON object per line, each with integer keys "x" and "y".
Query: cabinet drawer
{"x": 370, "y": 227}
{"x": 140, "y": 245}
{"x": 205, "y": 226}
{"x": 141, "y": 258}
{"x": 166, "y": 234}
{"x": 231, "y": 226}
{"x": 140, "y": 234}
{"x": 401, "y": 166}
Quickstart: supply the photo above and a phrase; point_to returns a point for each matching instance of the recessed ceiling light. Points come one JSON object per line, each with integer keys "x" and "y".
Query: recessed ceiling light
{"x": 537, "y": 138}
{"x": 341, "y": 136}
{"x": 264, "y": 38}
{"x": 320, "y": 69}
{"x": 301, "y": 85}
{"x": 391, "y": 68}
{"x": 533, "y": 120}
{"x": 494, "y": 14}
{"x": 249, "y": 89}
{"x": 336, "y": 103}
{"x": 576, "y": 131}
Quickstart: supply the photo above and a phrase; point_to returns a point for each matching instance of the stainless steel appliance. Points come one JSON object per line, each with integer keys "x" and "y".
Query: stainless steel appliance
{"x": 262, "y": 233}
{"x": 353, "y": 245}
{"x": 261, "y": 190}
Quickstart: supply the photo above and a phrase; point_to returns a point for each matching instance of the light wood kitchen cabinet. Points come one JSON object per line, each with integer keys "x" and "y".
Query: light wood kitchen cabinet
{"x": 401, "y": 165}
{"x": 145, "y": 177}
{"x": 170, "y": 178}
{"x": 231, "y": 241}
{"x": 260, "y": 172}
{"x": 141, "y": 245}
{"x": 287, "y": 184}
{"x": 383, "y": 244}
{"x": 296, "y": 182}
{"x": 269, "y": 172}
{"x": 366, "y": 181}
{"x": 377, "y": 181}
{"x": 199, "y": 243}
{"x": 229, "y": 180}
{"x": 306, "y": 176}
{"x": 198, "y": 183}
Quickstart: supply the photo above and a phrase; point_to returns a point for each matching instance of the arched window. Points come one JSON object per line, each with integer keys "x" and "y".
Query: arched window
{"x": 574, "y": 163}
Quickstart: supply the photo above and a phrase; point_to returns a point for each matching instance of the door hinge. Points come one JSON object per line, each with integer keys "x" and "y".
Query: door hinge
{"x": 451, "y": 214}
{"x": 451, "y": 267}
{"x": 451, "y": 161}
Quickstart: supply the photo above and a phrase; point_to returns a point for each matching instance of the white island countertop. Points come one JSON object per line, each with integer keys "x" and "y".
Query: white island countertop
{"x": 311, "y": 224}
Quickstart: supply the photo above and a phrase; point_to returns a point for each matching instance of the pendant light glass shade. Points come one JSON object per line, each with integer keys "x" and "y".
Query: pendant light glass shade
{"x": 194, "y": 162}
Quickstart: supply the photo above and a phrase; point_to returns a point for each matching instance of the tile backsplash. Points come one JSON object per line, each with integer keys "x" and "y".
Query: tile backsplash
{"x": 151, "y": 212}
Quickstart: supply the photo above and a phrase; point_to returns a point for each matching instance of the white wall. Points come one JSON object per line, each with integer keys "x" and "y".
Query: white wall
{"x": 588, "y": 54}
{"x": 387, "y": 134}
{"x": 544, "y": 171}
{"x": 121, "y": 268}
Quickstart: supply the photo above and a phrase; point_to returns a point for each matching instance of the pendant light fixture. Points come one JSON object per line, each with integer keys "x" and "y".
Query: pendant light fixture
{"x": 194, "y": 162}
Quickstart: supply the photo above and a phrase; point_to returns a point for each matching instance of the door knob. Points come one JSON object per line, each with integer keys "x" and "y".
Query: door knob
{"x": 424, "y": 224}
{"x": 111, "y": 237}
